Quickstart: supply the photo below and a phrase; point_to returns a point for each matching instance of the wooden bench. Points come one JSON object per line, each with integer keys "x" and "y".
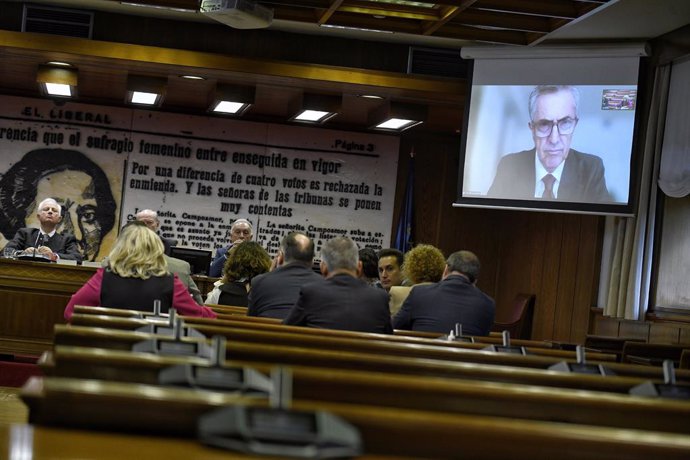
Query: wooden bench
{"x": 385, "y": 431}
{"x": 293, "y": 355}
{"x": 412, "y": 392}
{"x": 653, "y": 354}
{"x": 463, "y": 352}
{"x": 131, "y": 323}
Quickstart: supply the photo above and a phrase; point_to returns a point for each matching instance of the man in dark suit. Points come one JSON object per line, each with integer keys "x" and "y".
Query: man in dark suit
{"x": 455, "y": 299}
{"x": 46, "y": 241}
{"x": 342, "y": 300}
{"x": 274, "y": 293}
{"x": 551, "y": 170}
{"x": 150, "y": 218}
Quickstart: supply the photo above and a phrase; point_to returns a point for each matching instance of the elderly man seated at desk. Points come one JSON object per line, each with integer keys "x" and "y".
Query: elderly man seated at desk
{"x": 46, "y": 241}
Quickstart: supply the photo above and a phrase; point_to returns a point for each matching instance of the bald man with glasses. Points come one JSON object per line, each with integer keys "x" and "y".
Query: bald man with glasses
{"x": 552, "y": 170}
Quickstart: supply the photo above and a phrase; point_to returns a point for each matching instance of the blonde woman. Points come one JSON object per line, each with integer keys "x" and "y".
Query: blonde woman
{"x": 136, "y": 275}
{"x": 423, "y": 264}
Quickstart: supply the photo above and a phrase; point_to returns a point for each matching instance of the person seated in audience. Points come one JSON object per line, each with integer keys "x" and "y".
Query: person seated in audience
{"x": 244, "y": 262}
{"x": 423, "y": 264}
{"x": 341, "y": 300}
{"x": 370, "y": 267}
{"x": 150, "y": 218}
{"x": 274, "y": 293}
{"x": 135, "y": 277}
{"x": 45, "y": 240}
{"x": 390, "y": 263}
{"x": 240, "y": 230}
{"x": 456, "y": 299}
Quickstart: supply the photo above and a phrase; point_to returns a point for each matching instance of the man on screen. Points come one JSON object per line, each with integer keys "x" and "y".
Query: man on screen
{"x": 551, "y": 170}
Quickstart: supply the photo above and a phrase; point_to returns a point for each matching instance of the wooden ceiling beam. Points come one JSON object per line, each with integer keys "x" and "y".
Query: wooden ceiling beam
{"x": 163, "y": 59}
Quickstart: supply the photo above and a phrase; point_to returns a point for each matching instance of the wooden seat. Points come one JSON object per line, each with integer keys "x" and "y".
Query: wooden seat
{"x": 513, "y": 400}
{"x": 345, "y": 358}
{"x": 653, "y": 354}
{"x": 608, "y": 344}
{"x": 517, "y": 318}
{"x": 384, "y": 430}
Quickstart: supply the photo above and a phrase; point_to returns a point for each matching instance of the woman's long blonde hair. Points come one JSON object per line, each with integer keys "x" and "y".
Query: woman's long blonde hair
{"x": 138, "y": 253}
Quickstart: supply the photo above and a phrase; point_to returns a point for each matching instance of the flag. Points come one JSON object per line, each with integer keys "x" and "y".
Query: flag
{"x": 403, "y": 237}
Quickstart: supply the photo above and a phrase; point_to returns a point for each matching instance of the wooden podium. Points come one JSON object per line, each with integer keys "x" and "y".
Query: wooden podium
{"x": 33, "y": 296}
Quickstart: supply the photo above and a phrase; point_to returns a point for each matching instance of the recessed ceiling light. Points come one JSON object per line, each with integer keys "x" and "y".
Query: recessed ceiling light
{"x": 140, "y": 97}
{"x": 60, "y": 63}
{"x": 58, "y": 89}
{"x": 370, "y": 96}
{"x": 192, "y": 77}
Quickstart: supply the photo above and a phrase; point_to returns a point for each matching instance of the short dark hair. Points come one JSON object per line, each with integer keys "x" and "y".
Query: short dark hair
{"x": 399, "y": 256}
{"x": 18, "y": 187}
{"x": 370, "y": 262}
{"x": 465, "y": 262}
{"x": 296, "y": 249}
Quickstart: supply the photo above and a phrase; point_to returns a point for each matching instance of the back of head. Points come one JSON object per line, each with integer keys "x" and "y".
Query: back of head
{"x": 245, "y": 261}
{"x": 149, "y": 217}
{"x": 392, "y": 252}
{"x": 137, "y": 253}
{"x": 297, "y": 247}
{"x": 340, "y": 253}
{"x": 370, "y": 263}
{"x": 424, "y": 263}
{"x": 464, "y": 262}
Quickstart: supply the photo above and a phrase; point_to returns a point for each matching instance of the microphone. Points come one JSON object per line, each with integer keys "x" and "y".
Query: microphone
{"x": 39, "y": 241}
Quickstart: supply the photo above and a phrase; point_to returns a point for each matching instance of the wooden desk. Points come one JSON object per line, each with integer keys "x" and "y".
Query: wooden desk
{"x": 33, "y": 296}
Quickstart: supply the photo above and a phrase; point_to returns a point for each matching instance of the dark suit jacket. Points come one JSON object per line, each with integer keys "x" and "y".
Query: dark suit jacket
{"x": 167, "y": 244}
{"x": 437, "y": 307}
{"x": 582, "y": 179}
{"x": 216, "y": 270}
{"x": 65, "y": 246}
{"x": 273, "y": 294}
{"x": 342, "y": 302}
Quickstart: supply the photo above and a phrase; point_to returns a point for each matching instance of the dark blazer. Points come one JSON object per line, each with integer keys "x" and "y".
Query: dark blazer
{"x": 273, "y": 294}
{"x": 437, "y": 307}
{"x": 167, "y": 244}
{"x": 582, "y": 179}
{"x": 216, "y": 269}
{"x": 342, "y": 302}
{"x": 65, "y": 246}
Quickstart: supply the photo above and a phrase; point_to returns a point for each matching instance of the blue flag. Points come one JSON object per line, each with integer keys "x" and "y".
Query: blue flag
{"x": 403, "y": 236}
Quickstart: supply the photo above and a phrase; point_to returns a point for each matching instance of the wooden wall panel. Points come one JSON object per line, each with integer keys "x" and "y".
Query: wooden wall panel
{"x": 554, "y": 256}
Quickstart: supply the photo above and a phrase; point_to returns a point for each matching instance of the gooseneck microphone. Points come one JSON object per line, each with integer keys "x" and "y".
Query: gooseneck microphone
{"x": 39, "y": 241}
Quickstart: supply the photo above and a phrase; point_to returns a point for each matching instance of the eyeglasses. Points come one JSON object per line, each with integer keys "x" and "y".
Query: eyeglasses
{"x": 543, "y": 128}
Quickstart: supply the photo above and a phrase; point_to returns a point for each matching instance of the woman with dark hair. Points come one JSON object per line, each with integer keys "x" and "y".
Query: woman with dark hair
{"x": 245, "y": 261}
{"x": 78, "y": 184}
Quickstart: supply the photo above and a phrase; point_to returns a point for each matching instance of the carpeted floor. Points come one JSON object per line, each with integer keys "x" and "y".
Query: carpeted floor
{"x": 12, "y": 409}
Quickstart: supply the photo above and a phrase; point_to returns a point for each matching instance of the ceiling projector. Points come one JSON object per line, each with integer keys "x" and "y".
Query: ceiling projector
{"x": 240, "y": 14}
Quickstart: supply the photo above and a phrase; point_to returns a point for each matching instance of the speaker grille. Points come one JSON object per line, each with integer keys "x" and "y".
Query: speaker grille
{"x": 57, "y": 21}
{"x": 436, "y": 62}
